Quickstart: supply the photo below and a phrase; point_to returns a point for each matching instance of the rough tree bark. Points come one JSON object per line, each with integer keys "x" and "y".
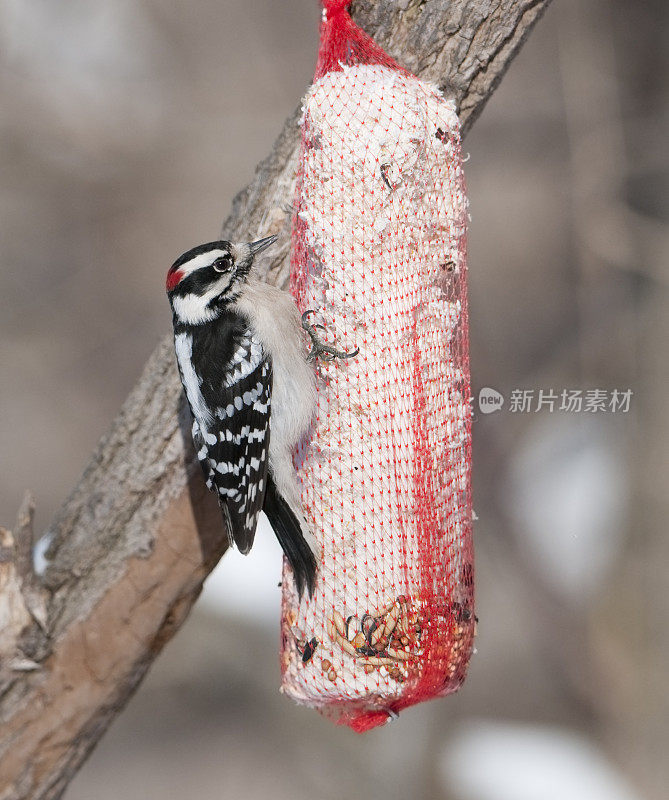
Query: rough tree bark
{"x": 132, "y": 545}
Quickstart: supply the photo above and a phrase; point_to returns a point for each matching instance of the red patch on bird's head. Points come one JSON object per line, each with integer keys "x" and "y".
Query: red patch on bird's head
{"x": 173, "y": 278}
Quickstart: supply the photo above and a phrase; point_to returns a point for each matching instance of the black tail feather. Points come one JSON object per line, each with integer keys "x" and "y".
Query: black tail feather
{"x": 289, "y": 533}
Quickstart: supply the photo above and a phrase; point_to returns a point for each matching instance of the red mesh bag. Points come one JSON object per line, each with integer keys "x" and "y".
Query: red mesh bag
{"x": 379, "y": 237}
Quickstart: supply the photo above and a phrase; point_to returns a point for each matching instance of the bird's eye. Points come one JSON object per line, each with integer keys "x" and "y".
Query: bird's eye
{"x": 222, "y": 264}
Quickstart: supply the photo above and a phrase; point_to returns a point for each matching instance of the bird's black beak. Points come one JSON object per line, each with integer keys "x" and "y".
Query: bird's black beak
{"x": 245, "y": 253}
{"x": 261, "y": 244}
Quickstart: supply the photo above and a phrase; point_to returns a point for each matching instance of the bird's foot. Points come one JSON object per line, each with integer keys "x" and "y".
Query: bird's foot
{"x": 318, "y": 347}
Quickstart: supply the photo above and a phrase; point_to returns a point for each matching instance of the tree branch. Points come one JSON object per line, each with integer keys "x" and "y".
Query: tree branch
{"x": 134, "y": 542}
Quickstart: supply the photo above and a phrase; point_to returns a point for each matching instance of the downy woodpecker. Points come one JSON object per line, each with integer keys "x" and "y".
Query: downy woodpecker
{"x": 240, "y": 351}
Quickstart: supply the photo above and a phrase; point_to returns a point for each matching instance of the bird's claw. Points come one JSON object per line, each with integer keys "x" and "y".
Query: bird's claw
{"x": 318, "y": 348}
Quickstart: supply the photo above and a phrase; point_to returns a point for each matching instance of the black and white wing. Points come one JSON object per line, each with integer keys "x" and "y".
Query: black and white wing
{"x": 228, "y": 381}
{"x": 232, "y": 442}
{"x": 233, "y": 454}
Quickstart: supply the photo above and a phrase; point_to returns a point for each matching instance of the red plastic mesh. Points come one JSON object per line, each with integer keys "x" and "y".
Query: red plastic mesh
{"x": 379, "y": 239}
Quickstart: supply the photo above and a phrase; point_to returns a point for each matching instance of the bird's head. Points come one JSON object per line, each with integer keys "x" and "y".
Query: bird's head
{"x": 205, "y": 279}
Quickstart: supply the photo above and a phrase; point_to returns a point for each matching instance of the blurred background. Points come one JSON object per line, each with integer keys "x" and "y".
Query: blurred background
{"x": 126, "y": 128}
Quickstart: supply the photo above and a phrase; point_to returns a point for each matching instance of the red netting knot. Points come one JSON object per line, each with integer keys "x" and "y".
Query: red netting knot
{"x": 334, "y": 7}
